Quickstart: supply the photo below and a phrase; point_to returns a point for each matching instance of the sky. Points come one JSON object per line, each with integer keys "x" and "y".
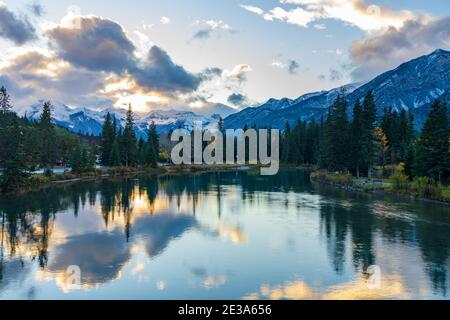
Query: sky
{"x": 202, "y": 54}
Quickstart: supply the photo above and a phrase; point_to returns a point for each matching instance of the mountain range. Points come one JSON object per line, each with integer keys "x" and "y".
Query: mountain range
{"x": 412, "y": 86}
{"x": 90, "y": 122}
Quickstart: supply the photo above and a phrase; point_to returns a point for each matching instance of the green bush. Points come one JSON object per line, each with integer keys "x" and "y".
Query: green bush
{"x": 399, "y": 181}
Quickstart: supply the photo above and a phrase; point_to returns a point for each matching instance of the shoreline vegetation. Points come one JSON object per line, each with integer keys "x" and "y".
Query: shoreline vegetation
{"x": 419, "y": 189}
{"x": 38, "y": 181}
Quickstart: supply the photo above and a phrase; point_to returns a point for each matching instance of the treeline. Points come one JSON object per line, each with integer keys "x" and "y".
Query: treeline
{"x": 26, "y": 146}
{"x": 356, "y": 143}
{"x": 122, "y": 148}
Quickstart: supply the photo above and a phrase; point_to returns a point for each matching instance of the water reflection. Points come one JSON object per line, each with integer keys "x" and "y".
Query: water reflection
{"x": 221, "y": 235}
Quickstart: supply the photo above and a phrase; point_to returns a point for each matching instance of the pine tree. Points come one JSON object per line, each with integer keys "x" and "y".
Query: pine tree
{"x": 141, "y": 152}
{"x": 47, "y": 131}
{"x": 286, "y": 144}
{"x": 5, "y": 101}
{"x": 114, "y": 160}
{"x": 152, "y": 147}
{"x": 76, "y": 162}
{"x": 356, "y": 155}
{"x": 432, "y": 158}
{"x": 369, "y": 135}
{"x": 107, "y": 140}
{"x": 129, "y": 142}
{"x": 337, "y": 136}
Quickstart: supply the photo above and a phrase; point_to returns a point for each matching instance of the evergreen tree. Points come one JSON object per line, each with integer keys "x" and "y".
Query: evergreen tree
{"x": 432, "y": 158}
{"x": 107, "y": 140}
{"x": 369, "y": 138}
{"x": 152, "y": 147}
{"x": 114, "y": 160}
{"x": 141, "y": 152}
{"x": 286, "y": 144}
{"x": 356, "y": 154}
{"x": 12, "y": 157}
{"x": 47, "y": 131}
{"x": 129, "y": 143}
{"x": 5, "y": 101}
{"x": 337, "y": 136}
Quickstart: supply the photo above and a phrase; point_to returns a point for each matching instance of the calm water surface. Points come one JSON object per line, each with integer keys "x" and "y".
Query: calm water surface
{"x": 232, "y": 235}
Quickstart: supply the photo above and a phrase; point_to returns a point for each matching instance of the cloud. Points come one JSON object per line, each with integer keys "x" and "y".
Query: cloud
{"x": 165, "y": 20}
{"x": 91, "y": 61}
{"x": 98, "y": 44}
{"x": 33, "y": 75}
{"x": 14, "y": 28}
{"x": 353, "y": 12}
{"x": 103, "y": 45}
{"x": 389, "y": 49}
{"x": 208, "y": 27}
{"x": 297, "y": 16}
{"x": 293, "y": 67}
{"x": 36, "y": 9}
{"x": 320, "y": 26}
{"x": 335, "y": 75}
{"x": 238, "y": 73}
{"x": 253, "y": 9}
{"x": 161, "y": 73}
{"x": 237, "y": 99}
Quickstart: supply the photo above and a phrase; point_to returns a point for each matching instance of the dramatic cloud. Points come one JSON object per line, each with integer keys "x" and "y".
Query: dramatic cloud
{"x": 161, "y": 73}
{"x": 388, "y": 50}
{"x": 354, "y": 12}
{"x": 209, "y": 27}
{"x": 91, "y": 61}
{"x": 98, "y": 44}
{"x": 237, "y": 99}
{"x": 14, "y": 28}
{"x": 44, "y": 76}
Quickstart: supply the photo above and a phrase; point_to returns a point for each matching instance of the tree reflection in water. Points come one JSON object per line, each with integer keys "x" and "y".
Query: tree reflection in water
{"x": 133, "y": 209}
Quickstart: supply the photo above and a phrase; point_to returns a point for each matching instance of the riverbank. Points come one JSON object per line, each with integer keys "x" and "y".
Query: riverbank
{"x": 420, "y": 189}
{"x": 39, "y": 181}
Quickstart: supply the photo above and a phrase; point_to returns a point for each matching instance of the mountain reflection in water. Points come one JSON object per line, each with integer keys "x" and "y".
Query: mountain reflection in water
{"x": 227, "y": 235}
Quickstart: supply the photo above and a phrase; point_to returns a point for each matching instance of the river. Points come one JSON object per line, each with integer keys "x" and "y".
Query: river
{"x": 227, "y": 235}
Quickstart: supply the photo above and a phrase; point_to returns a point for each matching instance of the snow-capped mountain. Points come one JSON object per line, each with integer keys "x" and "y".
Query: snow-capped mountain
{"x": 412, "y": 86}
{"x": 89, "y": 122}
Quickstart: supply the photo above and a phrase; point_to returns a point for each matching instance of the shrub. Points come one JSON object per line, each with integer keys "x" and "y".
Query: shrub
{"x": 400, "y": 182}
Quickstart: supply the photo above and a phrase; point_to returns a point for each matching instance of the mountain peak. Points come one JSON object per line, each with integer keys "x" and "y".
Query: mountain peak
{"x": 440, "y": 52}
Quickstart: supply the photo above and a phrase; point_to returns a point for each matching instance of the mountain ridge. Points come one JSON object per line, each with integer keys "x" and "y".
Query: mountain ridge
{"x": 413, "y": 85}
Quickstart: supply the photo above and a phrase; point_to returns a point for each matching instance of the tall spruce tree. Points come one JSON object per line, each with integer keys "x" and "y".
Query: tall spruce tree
{"x": 432, "y": 158}
{"x": 337, "y": 136}
{"x": 129, "y": 142}
{"x": 357, "y": 132}
{"x": 152, "y": 147}
{"x": 107, "y": 140}
{"x": 5, "y": 101}
{"x": 369, "y": 138}
{"x": 47, "y": 133}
